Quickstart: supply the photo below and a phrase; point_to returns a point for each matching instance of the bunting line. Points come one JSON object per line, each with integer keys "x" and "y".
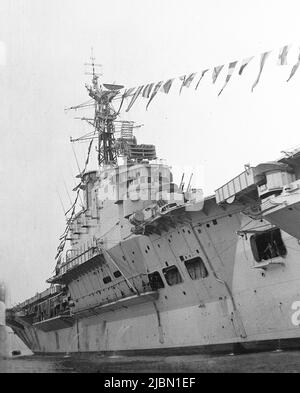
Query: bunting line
{"x": 134, "y": 98}
{"x": 147, "y": 90}
{"x": 244, "y": 64}
{"x": 167, "y": 86}
{"x": 182, "y": 78}
{"x": 262, "y": 63}
{"x": 129, "y": 92}
{"x": 188, "y": 80}
{"x": 150, "y": 90}
{"x": 156, "y": 88}
{"x": 295, "y": 68}
{"x": 282, "y": 57}
{"x": 231, "y": 68}
{"x": 216, "y": 73}
{"x": 201, "y": 77}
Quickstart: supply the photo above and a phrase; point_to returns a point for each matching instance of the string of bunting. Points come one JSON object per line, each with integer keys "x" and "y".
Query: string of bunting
{"x": 72, "y": 209}
{"x": 149, "y": 91}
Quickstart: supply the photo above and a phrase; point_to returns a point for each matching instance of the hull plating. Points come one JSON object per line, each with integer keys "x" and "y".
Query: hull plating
{"x": 241, "y": 302}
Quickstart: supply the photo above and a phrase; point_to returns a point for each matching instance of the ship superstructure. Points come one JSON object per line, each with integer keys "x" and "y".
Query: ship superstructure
{"x": 154, "y": 266}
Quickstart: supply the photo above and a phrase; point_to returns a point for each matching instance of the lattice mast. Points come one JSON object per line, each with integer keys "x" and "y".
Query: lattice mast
{"x": 104, "y": 117}
{"x": 106, "y": 125}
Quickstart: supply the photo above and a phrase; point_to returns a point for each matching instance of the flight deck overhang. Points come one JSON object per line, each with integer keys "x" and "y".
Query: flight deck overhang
{"x": 256, "y": 182}
{"x": 139, "y": 298}
{"x": 244, "y": 184}
{"x": 56, "y": 323}
{"x": 81, "y": 264}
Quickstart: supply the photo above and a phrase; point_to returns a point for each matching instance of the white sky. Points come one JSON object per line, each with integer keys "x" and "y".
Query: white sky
{"x": 43, "y": 47}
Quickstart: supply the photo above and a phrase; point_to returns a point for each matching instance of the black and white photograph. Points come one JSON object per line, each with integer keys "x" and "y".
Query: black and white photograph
{"x": 149, "y": 189}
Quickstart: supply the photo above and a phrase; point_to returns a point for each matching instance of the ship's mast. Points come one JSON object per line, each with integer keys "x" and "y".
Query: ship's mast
{"x": 104, "y": 117}
{"x": 105, "y": 125}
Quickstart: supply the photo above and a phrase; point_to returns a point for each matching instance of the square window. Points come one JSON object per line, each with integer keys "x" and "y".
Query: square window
{"x": 155, "y": 281}
{"x": 268, "y": 245}
{"x": 172, "y": 275}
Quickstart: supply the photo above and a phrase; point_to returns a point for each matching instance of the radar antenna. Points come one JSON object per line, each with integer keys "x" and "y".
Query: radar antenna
{"x": 104, "y": 116}
{"x": 105, "y": 124}
{"x": 102, "y": 96}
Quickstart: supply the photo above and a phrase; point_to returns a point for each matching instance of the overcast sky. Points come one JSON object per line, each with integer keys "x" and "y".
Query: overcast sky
{"x": 43, "y": 46}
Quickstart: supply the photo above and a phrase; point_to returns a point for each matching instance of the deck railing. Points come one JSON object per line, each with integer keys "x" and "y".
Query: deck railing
{"x": 77, "y": 257}
{"x": 53, "y": 290}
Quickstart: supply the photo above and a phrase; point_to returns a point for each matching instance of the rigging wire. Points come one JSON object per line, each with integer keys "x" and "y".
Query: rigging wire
{"x": 67, "y": 192}
{"x": 84, "y": 104}
{"x": 61, "y": 202}
{"x": 81, "y": 200}
{"x": 76, "y": 158}
{"x": 121, "y": 104}
{"x": 73, "y": 177}
{"x": 73, "y": 207}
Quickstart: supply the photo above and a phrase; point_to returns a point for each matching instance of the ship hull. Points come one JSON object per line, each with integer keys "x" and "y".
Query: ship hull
{"x": 241, "y": 305}
{"x": 235, "y": 348}
{"x": 184, "y": 331}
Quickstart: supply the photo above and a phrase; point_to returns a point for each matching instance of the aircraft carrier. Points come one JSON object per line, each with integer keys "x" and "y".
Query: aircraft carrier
{"x": 147, "y": 265}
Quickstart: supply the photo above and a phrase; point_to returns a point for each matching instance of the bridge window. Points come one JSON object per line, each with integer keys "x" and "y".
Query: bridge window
{"x": 107, "y": 280}
{"x": 196, "y": 268}
{"x": 268, "y": 245}
{"x": 172, "y": 275}
{"x": 155, "y": 281}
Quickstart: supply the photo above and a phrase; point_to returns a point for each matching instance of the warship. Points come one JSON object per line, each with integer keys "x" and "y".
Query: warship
{"x": 156, "y": 267}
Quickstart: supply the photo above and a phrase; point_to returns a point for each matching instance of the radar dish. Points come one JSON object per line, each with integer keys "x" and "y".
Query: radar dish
{"x": 112, "y": 87}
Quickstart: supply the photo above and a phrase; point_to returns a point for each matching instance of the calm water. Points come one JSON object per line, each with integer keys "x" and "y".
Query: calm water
{"x": 286, "y": 361}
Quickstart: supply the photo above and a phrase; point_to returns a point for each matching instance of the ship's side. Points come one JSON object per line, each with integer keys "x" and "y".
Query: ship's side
{"x": 203, "y": 280}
